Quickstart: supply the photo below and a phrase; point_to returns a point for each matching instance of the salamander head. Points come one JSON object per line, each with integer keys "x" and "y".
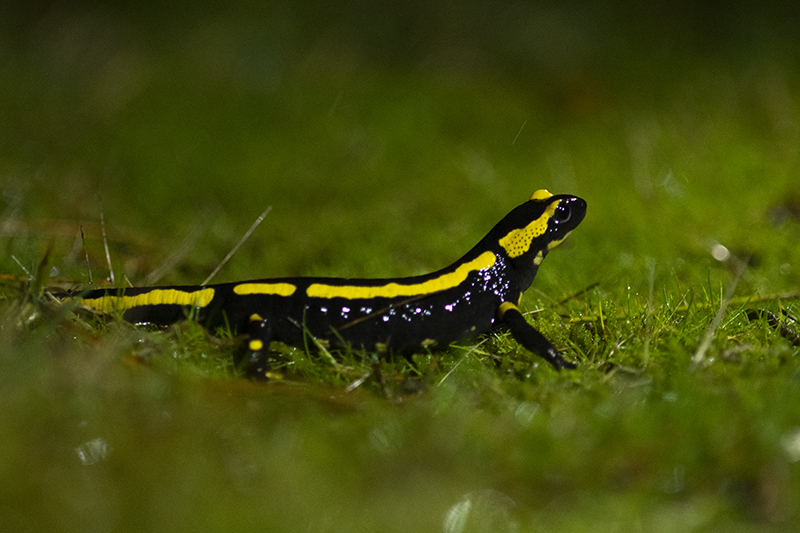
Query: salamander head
{"x": 531, "y": 230}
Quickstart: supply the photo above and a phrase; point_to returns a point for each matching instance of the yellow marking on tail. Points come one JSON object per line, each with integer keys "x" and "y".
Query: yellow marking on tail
{"x": 278, "y": 289}
{"x": 112, "y": 303}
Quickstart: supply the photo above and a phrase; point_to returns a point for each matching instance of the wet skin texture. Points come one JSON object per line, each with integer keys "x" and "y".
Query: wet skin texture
{"x": 397, "y": 315}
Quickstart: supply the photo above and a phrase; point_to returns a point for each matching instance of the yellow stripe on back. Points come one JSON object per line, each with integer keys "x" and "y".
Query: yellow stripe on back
{"x": 394, "y": 290}
{"x": 278, "y": 289}
{"x": 518, "y": 241}
{"x": 111, "y": 303}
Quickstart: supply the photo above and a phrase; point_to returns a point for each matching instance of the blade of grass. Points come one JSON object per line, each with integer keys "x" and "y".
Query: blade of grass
{"x": 238, "y": 244}
{"x": 105, "y": 246}
{"x": 176, "y": 256}
{"x": 700, "y": 355}
{"x": 86, "y": 255}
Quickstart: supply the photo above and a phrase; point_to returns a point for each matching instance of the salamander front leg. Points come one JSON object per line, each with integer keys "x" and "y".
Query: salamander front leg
{"x": 530, "y": 337}
{"x": 253, "y": 358}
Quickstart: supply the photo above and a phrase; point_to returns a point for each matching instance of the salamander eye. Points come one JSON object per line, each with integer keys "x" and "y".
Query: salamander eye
{"x": 562, "y": 214}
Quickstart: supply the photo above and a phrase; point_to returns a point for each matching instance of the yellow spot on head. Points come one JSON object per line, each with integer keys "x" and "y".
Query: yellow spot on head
{"x": 553, "y": 244}
{"x": 427, "y": 343}
{"x": 111, "y": 303}
{"x": 278, "y": 289}
{"x": 394, "y": 290}
{"x": 518, "y": 241}
{"x": 255, "y": 344}
{"x": 541, "y": 194}
{"x": 255, "y": 317}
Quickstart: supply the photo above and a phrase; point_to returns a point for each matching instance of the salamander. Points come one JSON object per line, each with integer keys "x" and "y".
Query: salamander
{"x": 393, "y": 315}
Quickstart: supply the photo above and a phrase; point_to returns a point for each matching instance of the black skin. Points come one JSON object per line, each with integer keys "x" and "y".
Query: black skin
{"x": 405, "y": 324}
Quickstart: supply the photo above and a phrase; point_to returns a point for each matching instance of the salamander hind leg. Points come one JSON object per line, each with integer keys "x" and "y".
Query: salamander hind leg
{"x": 252, "y": 359}
{"x": 530, "y": 337}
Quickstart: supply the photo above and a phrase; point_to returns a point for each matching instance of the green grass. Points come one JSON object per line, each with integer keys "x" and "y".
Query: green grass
{"x": 388, "y": 143}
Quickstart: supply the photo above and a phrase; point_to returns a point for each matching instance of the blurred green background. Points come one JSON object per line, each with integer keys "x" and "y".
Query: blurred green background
{"x": 191, "y": 119}
{"x": 388, "y": 138}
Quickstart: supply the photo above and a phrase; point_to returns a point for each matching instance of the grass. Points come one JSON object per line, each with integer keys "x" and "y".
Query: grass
{"x": 386, "y": 158}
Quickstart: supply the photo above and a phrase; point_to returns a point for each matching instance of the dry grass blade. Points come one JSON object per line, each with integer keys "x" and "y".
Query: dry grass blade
{"x": 700, "y": 355}
{"x": 86, "y": 254}
{"x": 105, "y": 246}
{"x": 576, "y": 294}
{"x": 176, "y": 256}
{"x": 238, "y": 244}
{"x": 19, "y": 263}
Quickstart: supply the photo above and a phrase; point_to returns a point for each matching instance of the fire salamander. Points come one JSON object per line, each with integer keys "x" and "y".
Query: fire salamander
{"x": 398, "y": 315}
